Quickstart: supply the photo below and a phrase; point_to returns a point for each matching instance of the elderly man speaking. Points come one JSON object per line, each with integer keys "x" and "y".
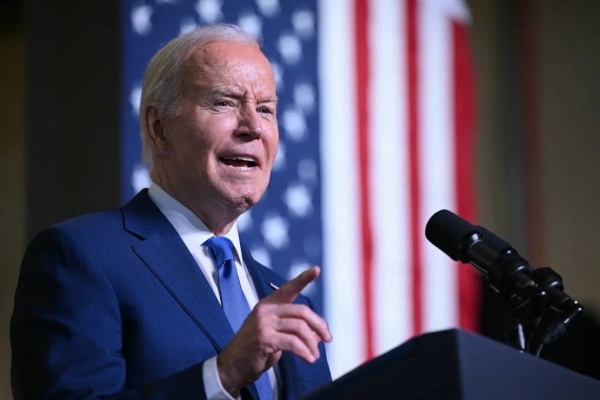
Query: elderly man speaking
{"x": 158, "y": 299}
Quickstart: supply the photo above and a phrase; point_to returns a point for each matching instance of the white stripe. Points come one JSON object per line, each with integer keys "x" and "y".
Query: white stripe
{"x": 389, "y": 177}
{"x": 453, "y": 9}
{"x": 437, "y": 164}
{"x": 341, "y": 259}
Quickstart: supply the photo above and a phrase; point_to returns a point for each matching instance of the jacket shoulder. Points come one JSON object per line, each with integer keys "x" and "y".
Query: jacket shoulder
{"x": 83, "y": 226}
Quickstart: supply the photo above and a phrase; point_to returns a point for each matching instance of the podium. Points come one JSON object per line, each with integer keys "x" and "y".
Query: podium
{"x": 458, "y": 365}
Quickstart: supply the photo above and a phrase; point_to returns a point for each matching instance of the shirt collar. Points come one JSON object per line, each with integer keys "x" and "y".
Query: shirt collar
{"x": 192, "y": 230}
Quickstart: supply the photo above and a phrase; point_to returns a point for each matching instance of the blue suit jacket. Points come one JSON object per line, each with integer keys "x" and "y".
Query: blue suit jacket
{"x": 113, "y": 305}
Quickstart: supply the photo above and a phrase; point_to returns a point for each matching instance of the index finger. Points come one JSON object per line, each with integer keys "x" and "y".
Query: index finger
{"x": 288, "y": 292}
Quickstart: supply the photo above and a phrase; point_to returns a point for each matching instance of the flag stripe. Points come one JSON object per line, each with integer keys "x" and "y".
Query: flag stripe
{"x": 437, "y": 163}
{"x": 362, "y": 115}
{"x": 464, "y": 127}
{"x": 342, "y": 272}
{"x": 413, "y": 133}
{"x": 389, "y": 175}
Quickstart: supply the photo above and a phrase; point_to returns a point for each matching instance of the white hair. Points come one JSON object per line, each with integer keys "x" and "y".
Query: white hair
{"x": 162, "y": 77}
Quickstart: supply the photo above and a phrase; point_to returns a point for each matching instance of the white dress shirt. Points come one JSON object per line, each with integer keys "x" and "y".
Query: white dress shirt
{"x": 194, "y": 233}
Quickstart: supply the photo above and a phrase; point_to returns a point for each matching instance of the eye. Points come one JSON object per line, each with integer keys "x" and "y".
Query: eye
{"x": 265, "y": 110}
{"x": 222, "y": 103}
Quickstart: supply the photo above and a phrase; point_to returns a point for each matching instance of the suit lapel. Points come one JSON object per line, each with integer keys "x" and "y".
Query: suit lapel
{"x": 165, "y": 254}
{"x": 172, "y": 263}
{"x": 261, "y": 282}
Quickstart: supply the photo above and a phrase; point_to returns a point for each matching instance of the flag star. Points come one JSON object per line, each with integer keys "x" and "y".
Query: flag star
{"x": 296, "y": 269}
{"x": 275, "y": 231}
{"x": 251, "y": 24}
{"x": 140, "y": 178}
{"x": 245, "y": 222}
{"x": 134, "y": 99}
{"x": 187, "y": 25}
{"x": 140, "y": 19}
{"x": 209, "y": 10}
{"x": 261, "y": 255}
{"x": 304, "y": 23}
{"x": 269, "y": 8}
{"x": 304, "y": 96}
{"x": 312, "y": 245}
{"x": 294, "y": 124}
{"x": 298, "y": 200}
{"x": 280, "y": 160}
{"x": 307, "y": 170}
{"x": 278, "y": 72}
{"x": 290, "y": 48}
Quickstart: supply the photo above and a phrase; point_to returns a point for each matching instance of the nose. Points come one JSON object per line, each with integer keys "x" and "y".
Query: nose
{"x": 250, "y": 122}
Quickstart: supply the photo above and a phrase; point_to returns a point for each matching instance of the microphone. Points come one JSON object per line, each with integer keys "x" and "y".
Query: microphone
{"x": 507, "y": 272}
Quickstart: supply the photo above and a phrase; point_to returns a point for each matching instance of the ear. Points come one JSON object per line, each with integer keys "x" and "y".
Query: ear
{"x": 157, "y": 130}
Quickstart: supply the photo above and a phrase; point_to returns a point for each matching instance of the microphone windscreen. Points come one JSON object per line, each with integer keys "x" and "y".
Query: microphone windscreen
{"x": 445, "y": 230}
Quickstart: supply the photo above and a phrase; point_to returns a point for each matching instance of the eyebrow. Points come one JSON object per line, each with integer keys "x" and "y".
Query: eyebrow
{"x": 231, "y": 92}
{"x": 268, "y": 100}
{"x": 226, "y": 92}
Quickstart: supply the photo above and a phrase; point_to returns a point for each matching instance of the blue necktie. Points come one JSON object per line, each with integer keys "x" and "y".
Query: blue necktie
{"x": 233, "y": 300}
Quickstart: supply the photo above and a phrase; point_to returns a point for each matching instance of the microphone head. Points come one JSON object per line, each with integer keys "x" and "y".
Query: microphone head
{"x": 446, "y": 231}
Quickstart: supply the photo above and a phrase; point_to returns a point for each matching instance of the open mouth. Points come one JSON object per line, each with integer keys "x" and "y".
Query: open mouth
{"x": 243, "y": 163}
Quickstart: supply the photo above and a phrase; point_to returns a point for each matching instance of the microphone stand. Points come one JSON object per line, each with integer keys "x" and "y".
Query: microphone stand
{"x": 509, "y": 276}
{"x": 568, "y": 309}
{"x": 525, "y": 321}
{"x": 531, "y": 294}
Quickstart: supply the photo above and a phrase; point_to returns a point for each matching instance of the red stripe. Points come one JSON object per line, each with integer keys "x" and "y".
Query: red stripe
{"x": 362, "y": 114}
{"x": 413, "y": 143}
{"x": 469, "y": 290}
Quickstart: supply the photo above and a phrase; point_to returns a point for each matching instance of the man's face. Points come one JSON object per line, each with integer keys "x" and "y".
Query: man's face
{"x": 223, "y": 141}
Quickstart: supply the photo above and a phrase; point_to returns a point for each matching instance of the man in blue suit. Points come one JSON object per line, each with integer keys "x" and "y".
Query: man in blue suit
{"x": 158, "y": 299}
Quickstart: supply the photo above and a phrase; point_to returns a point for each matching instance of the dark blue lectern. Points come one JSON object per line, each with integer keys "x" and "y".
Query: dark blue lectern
{"x": 457, "y": 365}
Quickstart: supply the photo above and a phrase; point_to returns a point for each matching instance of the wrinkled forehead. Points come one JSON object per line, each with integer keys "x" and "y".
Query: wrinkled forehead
{"x": 227, "y": 61}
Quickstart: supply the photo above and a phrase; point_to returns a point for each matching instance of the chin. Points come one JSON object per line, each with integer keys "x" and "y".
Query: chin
{"x": 243, "y": 193}
{"x": 244, "y": 198}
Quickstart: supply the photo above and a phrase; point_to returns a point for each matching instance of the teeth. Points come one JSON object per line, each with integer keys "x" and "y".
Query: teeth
{"x": 248, "y": 159}
{"x": 240, "y": 163}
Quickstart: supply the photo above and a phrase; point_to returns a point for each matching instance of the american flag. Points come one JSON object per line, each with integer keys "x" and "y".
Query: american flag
{"x": 376, "y": 120}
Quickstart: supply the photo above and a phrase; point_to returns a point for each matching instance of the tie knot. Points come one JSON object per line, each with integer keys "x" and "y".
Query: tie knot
{"x": 221, "y": 248}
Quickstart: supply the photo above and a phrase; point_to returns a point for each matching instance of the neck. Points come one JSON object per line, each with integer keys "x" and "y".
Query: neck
{"x": 215, "y": 216}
